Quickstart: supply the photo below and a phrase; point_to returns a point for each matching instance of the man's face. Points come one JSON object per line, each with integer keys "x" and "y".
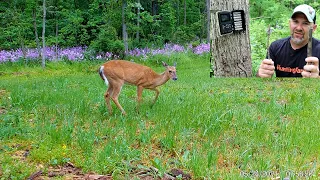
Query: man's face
{"x": 299, "y": 28}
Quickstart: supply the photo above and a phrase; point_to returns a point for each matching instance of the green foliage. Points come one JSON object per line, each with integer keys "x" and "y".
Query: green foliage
{"x": 86, "y": 23}
{"x": 259, "y": 37}
{"x": 98, "y": 24}
{"x": 107, "y": 41}
{"x": 81, "y": 23}
{"x": 71, "y": 32}
{"x": 15, "y": 26}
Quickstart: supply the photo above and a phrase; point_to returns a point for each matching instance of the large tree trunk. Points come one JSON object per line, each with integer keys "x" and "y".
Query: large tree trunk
{"x": 231, "y": 53}
{"x": 43, "y": 35}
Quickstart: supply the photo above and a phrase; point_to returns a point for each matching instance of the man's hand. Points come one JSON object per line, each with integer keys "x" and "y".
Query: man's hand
{"x": 266, "y": 69}
{"x": 311, "y": 70}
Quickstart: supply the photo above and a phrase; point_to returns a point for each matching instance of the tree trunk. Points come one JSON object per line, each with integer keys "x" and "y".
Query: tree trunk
{"x": 43, "y": 35}
{"x": 23, "y": 47}
{"x": 34, "y": 16}
{"x": 20, "y": 33}
{"x": 124, "y": 27}
{"x": 57, "y": 33}
{"x": 178, "y": 12}
{"x": 138, "y": 22}
{"x": 154, "y": 7}
{"x": 185, "y": 13}
{"x": 208, "y": 19}
{"x": 231, "y": 53}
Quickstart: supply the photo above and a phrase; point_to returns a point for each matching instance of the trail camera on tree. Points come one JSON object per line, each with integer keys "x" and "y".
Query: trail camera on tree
{"x": 230, "y": 43}
{"x": 230, "y": 22}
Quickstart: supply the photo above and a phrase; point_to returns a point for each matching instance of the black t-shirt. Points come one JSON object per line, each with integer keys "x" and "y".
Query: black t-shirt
{"x": 289, "y": 62}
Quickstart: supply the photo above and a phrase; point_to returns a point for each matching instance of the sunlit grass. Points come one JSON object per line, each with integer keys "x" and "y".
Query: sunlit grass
{"x": 215, "y": 128}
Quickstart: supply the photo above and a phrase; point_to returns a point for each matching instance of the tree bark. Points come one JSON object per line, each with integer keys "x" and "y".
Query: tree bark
{"x": 124, "y": 27}
{"x": 208, "y": 19}
{"x": 185, "y": 13}
{"x": 178, "y": 12}
{"x": 43, "y": 35}
{"x": 138, "y": 22}
{"x": 34, "y": 16}
{"x": 154, "y": 7}
{"x": 20, "y": 33}
{"x": 57, "y": 33}
{"x": 231, "y": 53}
{"x": 23, "y": 47}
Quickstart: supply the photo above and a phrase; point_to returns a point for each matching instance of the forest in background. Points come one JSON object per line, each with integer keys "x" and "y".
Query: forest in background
{"x": 116, "y": 26}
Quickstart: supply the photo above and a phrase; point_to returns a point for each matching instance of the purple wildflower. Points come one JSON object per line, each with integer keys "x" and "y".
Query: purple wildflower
{"x": 78, "y": 53}
{"x": 202, "y": 48}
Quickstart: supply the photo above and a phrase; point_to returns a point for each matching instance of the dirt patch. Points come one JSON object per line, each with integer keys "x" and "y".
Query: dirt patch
{"x": 70, "y": 172}
{"x": 3, "y": 97}
{"x": 67, "y": 171}
{"x": 3, "y": 92}
{"x": 3, "y": 110}
{"x": 151, "y": 174}
{"x": 20, "y": 73}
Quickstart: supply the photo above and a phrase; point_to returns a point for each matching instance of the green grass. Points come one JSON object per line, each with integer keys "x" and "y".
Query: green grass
{"x": 212, "y": 128}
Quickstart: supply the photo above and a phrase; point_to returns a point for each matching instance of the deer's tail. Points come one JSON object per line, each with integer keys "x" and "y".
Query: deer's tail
{"x": 103, "y": 77}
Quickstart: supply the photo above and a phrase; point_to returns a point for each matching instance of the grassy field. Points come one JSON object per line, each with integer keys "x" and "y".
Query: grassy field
{"x": 209, "y": 128}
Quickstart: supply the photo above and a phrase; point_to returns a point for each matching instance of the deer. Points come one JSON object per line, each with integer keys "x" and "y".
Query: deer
{"x": 116, "y": 73}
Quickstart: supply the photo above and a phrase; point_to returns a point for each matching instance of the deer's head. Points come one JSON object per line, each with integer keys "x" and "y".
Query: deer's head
{"x": 171, "y": 70}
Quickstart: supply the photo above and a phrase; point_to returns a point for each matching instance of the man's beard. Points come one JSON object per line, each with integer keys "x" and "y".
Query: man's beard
{"x": 297, "y": 41}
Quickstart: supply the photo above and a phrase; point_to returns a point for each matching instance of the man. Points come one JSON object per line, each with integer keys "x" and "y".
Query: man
{"x": 288, "y": 56}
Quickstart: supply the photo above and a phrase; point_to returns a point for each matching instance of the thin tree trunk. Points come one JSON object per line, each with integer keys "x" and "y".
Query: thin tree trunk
{"x": 138, "y": 22}
{"x": 203, "y": 29}
{"x": 185, "y": 13}
{"x": 154, "y": 8}
{"x": 23, "y": 48}
{"x": 178, "y": 11}
{"x": 57, "y": 33}
{"x": 36, "y": 31}
{"x": 208, "y": 20}
{"x": 124, "y": 27}
{"x": 20, "y": 34}
{"x": 43, "y": 35}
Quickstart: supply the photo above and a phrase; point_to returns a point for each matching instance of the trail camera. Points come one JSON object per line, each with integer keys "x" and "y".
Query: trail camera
{"x": 230, "y": 22}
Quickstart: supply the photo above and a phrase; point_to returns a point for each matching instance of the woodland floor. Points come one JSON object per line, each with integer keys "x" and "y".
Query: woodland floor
{"x": 69, "y": 171}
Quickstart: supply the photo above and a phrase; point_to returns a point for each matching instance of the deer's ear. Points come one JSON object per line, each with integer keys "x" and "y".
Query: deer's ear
{"x": 175, "y": 64}
{"x": 164, "y": 64}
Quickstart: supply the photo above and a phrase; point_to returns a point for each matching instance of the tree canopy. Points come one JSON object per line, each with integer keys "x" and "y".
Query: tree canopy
{"x": 97, "y": 24}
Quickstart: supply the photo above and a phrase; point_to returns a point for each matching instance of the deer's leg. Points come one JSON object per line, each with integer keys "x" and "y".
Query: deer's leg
{"x": 107, "y": 98}
{"x": 115, "y": 95}
{"x": 139, "y": 94}
{"x": 157, "y": 94}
